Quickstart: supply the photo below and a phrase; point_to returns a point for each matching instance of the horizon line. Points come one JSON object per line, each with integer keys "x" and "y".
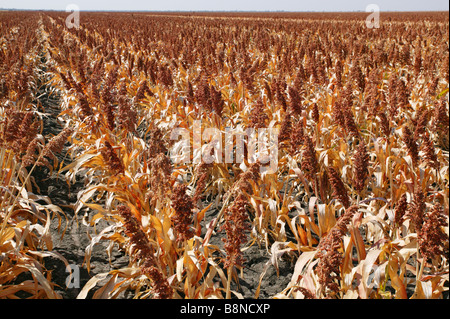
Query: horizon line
{"x": 212, "y": 11}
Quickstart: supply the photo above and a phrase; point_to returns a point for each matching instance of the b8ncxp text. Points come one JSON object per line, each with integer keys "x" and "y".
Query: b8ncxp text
{"x": 253, "y": 308}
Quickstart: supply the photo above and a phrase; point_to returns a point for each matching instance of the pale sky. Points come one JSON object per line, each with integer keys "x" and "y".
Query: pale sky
{"x": 230, "y": 5}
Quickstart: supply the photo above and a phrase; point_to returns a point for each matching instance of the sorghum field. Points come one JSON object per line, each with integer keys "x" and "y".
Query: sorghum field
{"x": 358, "y": 205}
